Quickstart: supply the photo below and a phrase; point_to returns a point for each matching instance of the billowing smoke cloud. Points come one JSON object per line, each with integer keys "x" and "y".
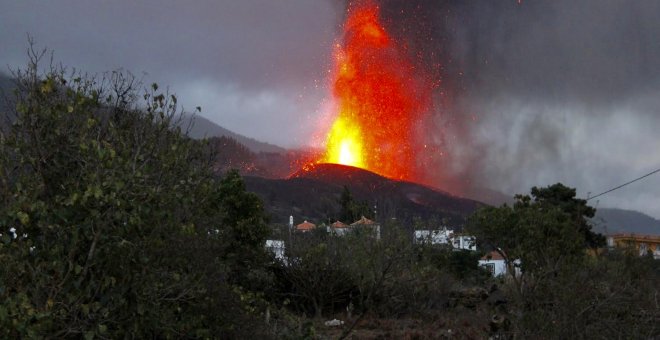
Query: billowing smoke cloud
{"x": 543, "y": 91}
{"x": 530, "y": 93}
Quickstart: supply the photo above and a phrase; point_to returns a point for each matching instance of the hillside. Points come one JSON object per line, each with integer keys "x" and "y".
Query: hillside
{"x": 5, "y": 82}
{"x": 314, "y": 194}
{"x": 201, "y": 127}
{"x": 613, "y": 221}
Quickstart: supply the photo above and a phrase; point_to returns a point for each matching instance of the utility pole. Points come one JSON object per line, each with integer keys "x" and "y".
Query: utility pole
{"x": 290, "y": 227}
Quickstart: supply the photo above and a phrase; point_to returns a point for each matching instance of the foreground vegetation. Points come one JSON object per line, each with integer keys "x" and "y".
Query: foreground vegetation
{"x": 115, "y": 225}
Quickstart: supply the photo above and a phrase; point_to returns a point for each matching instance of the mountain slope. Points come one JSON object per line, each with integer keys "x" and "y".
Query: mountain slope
{"x": 314, "y": 194}
{"x": 6, "y": 84}
{"x": 201, "y": 127}
{"x": 612, "y": 221}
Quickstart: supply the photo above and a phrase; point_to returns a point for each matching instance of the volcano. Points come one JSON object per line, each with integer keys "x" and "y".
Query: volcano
{"x": 313, "y": 194}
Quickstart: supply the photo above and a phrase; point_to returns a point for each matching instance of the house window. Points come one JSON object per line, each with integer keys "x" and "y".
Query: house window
{"x": 490, "y": 267}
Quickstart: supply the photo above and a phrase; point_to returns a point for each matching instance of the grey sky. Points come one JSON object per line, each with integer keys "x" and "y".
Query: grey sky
{"x": 562, "y": 91}
{"x": 542, "y": 92}
{"x": 255, "y": 67}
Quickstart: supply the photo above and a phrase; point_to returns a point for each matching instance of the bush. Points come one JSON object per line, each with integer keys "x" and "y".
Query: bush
{"x": 112, "y": 222}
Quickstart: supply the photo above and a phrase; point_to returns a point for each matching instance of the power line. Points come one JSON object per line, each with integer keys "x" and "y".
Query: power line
{"x": 624, "y": 184}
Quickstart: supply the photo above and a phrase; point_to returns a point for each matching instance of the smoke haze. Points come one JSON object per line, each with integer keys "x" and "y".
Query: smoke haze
{"x": 544, "y": 91}
{"x": 530, "y": 93}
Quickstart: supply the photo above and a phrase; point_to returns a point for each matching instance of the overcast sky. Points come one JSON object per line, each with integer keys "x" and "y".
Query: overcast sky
{"x": 542, "y": 92}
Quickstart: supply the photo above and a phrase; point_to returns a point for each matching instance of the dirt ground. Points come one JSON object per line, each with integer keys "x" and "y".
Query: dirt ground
{"x": 460, "y": 326}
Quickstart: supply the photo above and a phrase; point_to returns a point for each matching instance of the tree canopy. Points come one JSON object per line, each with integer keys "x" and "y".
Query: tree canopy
{"x": 350, "y": 209}
{"x": 113, "y": 211}
{"x": 563, "y": 197}
{"x": 544, "y": 231}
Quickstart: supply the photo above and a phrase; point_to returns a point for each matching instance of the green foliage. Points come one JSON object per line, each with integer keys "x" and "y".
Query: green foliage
{"x": 245, "y": 230}
{"x": 464, "y": 265}
{"x": 242, "y": 212}
{"x": 375, "y": 264}
{"x": 315, "y": 278}
{"x": 563, "y": 292}
{"x": 352, "y": 210}
{"x": 562, "y": 197}
{"x": 113, "y": 211}
{"x": 329, "y": 274}
{"x": 609, "y": 296}
{"x": 544, "y": 234}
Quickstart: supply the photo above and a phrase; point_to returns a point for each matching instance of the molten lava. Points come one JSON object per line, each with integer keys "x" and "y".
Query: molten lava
{"x": 380, "y": 99}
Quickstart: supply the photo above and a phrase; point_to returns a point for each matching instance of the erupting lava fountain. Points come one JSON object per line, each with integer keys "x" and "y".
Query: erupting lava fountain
{"x": 380, "y": 97}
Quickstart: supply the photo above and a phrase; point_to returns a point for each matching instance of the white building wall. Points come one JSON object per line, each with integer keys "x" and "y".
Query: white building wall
{"x": 338, "y": 231}
{"x": 276, "y": 247}
{"x": 465, "y": 242}
{"x": 497, "y": 267}
{"x": 443, "y": 236}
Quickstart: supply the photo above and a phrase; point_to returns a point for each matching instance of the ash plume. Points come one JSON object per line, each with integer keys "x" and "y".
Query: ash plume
{"x": 536, "y": 92}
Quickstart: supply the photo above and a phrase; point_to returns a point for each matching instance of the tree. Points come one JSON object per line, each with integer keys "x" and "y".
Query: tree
{"x": 542, "y": 234}
{"x": 245, "y": 230}
{"x": 315, "y": 278}
{"x": 113, "y": 209}
{"x": 614, "y": 295}
{"x": 562, "y": 197}
{"x": 352, "y": 210}
{"x": 562, "y": 292}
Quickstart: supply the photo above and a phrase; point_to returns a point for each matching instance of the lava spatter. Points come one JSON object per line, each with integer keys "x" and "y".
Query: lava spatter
{"x": 379, "y": 96}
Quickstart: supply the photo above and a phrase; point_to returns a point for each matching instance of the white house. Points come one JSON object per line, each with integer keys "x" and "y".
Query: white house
{"x": 276, "y": 247}
{"x": 446, "y": 236}
{"x": 494, "y": 262}
{"x": 443, "y": 236}
{"x": 339, "y": 228}
{"x": 465, "y": 242}
{"x": 365, "y": 223}
{"x": 305, "y": 226}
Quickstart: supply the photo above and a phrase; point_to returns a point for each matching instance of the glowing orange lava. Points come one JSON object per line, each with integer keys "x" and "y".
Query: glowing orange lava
{"x": 380, "y": 99}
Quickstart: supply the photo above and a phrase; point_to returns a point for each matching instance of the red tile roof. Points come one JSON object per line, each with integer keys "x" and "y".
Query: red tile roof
{"x": 493, "y": 255}
{"x": 305, "y": 226}
{"x": 364, "y": 221}
{"x": 339, "y": 224}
